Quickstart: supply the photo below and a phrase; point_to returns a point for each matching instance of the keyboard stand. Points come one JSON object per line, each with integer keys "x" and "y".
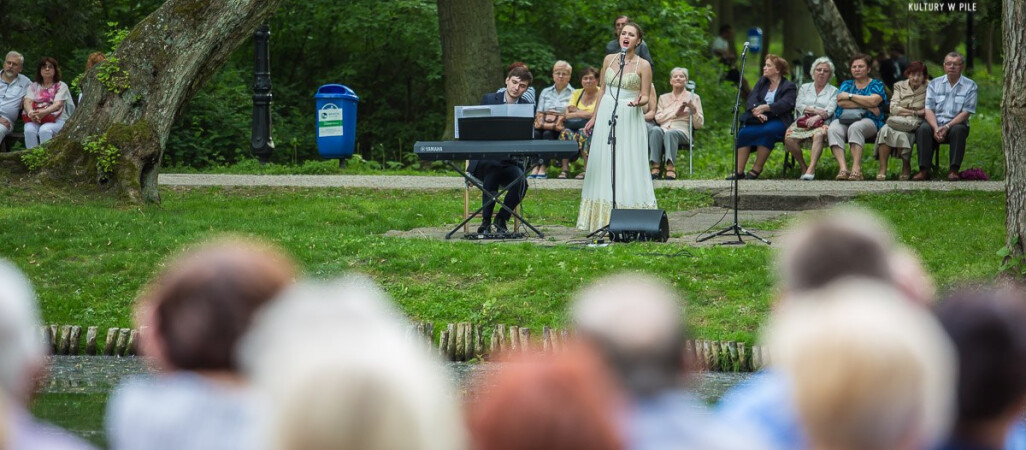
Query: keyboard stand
{"x": 495, "y": 198}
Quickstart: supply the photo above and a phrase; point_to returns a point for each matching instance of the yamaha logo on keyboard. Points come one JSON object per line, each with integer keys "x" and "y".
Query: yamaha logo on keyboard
{"x": 431, "y": 149}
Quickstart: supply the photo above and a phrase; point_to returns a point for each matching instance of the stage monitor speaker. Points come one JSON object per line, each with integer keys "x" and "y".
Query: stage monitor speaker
{"x": 628, "y": 225}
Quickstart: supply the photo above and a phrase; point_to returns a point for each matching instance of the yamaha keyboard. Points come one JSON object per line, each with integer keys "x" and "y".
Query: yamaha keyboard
{"x": 457, "y": 150}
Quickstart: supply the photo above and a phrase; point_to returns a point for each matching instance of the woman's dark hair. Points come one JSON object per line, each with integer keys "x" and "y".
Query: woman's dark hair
{"x": 56, "y": 69}
{"x": 589, "y": 70}
{"x": 986, "y": 327}
{"x": 203, "y": 303}
{"x": 917, "y": 67}
{"x": 641, "y": 34}
{"x": 864, "y": 57}
{"x": 780, "y": 63}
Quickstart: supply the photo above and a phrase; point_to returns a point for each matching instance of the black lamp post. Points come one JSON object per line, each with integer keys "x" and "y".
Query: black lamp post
{"x": 262, "y": 144}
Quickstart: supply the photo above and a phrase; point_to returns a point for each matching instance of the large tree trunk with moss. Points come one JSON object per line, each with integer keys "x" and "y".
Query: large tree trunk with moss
{"x": 839, "y": 43}
{"x": 470, "y": 53}
{"x": 1013, "y": 129}
{"x": 800, "y": 34}
{"x": 130, "y": 101}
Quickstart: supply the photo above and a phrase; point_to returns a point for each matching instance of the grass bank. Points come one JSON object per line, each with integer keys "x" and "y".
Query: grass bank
{"x": 89, "y": 256}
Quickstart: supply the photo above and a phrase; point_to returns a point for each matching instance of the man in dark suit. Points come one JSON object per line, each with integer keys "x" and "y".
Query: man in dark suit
{"x": 498, "y": 173}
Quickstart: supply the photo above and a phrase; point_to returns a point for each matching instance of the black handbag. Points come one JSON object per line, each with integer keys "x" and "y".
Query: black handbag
{"x": 576, "y": 123}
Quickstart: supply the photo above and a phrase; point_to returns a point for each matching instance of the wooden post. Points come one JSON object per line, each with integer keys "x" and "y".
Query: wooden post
{"x": 62, "y": 346}
{"x": 429, "y": 332}
{"x": 735, "y": 360}
{"x": 450, "y": 348}
{"x": 546, "y": 339}
{"x": 90, "y": 348}
{"x": 514, "y": 338}
{"x": 122, "y": 342}
{"x": 460, "y": 343}
{"x": 715, "y": 346}
{"x": 756, "y": 358}
{"x": 493, "y": 346}
{"x": 76, "y": 333}
{"x": 742, "y": 356}
{"x": 525, "y": 339}
{"x": 44, "y": 335}
{"x": 479, "y": 350}
{"x": 707, "y": 359}
{"x": 108, "y": 347}
{"x": 55, "y": 338}
{"x": 503, "y": 345}
{"x": 133, "y": 343}
{"x": 443, "y": 344}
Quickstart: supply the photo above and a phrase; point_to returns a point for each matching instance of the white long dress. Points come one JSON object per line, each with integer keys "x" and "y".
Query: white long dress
{"x": 633, "y": 183}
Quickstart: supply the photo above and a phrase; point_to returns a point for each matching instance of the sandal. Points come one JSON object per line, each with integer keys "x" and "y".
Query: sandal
{"x": 855, "y": 176}
{"x": 736, "y": 176}
{"x": 881, "y": 177}
{"x": 563, "y": 174}
{"x": 579, "y": 176}
{"x": 655, "y": 173}
{"x": 843, "y": 175}
{"x": 752, "y": 174}
{"x": 671, "y": 174}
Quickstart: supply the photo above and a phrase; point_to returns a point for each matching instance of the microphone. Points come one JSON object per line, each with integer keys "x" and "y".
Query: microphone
{"x": 745, "y": 50}
{"x": 690, "y": 86}
{"x": 623, "y": 50}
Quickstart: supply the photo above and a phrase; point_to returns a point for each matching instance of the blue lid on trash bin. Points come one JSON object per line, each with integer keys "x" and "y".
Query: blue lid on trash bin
{"x": 336, "y": 91}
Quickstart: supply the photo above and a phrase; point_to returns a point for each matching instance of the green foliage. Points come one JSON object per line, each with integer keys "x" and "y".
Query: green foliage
{"x": 36, "y": 158}
{"x": 1014, "y": 265}
{"x": 110, "y": 74}
{"x": 115, "y": 35}
{"x": 106, "y": 154}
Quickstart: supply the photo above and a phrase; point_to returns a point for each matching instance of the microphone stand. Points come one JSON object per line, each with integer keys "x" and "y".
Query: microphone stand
{"x": 691, "y": 130}
{"x": 604, "y": 231}
{"x": 736, "y": 227}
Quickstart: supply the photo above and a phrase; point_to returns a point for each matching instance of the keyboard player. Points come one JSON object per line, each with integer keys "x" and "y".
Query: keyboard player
{"x": 494, "y": 174}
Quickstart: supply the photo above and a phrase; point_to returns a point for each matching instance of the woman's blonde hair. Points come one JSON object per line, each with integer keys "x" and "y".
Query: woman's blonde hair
{"x": 868, "y": 368}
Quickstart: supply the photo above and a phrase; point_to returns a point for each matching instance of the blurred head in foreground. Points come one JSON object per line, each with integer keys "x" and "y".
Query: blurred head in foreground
{"x": 848, "y": 242}
{"x": 636, "y": 323}
{"x": 869, "y": 369}
{"x": 553, "y": 401}
{"x": 987, "y": 329}
{"x": 196, "y": 310}
{"x": 339, "y": 373}
{"x": 22, "y": 351}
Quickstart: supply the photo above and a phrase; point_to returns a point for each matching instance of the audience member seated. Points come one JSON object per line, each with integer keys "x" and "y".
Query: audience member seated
{"x": 818, "y": 251}
{"x": 677, "y": 113}
{"x": 13, "y": 87}
{"x": 907, "y": 109}
{"x": 529, "y": 96}
{"x": 22, "y": 362}
{"x": 867, "y": 369}
{"x": 860, "y": 103}
{"x": 986, "y": 327}
{"x": 191, "y": 318}
{"x": 895, "y": 67}
{"x": 814, "y": 107}
{"x": 722, "y": 48}
{"x": 94, "y": 59}
{"x": 768, "y": 112}
{"x": 552, "y": 105}
{"x": 338, "y": 370}
{"x": 950, "y": 100}
{"x": 47, "y": 104}
{"x": 578, "y": 111}
{"x": 545, "y": 401}
{"x": 636, "y": 324}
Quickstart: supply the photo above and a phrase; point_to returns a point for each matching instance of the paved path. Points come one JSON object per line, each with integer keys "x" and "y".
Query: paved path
{"x": 454, "y": 182}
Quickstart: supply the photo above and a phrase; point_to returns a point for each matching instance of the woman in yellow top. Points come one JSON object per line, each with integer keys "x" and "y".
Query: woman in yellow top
{"x": 580, "y": 109}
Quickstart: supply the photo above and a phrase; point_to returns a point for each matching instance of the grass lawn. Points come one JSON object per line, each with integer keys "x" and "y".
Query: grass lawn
{"x": 89, "y": 256}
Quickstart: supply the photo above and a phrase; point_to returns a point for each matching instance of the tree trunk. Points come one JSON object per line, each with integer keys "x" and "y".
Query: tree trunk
{"x": 470, "y": 53}
{"x": 838, "y": 42}
{"x": 1013, "y": 127}
{"x": 164, "y": 61}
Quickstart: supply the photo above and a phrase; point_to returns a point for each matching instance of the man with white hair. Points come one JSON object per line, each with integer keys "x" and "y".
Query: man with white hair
{"x": 636, "y": 323}
{"x": 13, "y": 86}
{"x": 22, "y": 359}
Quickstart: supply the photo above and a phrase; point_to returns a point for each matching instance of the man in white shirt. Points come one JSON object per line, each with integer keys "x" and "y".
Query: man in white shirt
{"x": 13, "y": 86}
{"x": 950, "y": 100}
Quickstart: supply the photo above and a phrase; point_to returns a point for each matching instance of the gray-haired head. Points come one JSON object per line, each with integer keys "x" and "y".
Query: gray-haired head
{"x": 636, "y": 321}
{"x": 680, "y": 69}
{"x": 21, "y": 58}
{"x": 958, "y": 55}
{"x": 21, "y": 350}
{"x": 339, "y": 371}
{"x": 817, "y": 62}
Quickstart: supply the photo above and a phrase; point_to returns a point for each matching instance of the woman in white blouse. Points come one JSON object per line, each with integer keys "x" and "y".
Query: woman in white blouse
{"x": 814, "y": 108}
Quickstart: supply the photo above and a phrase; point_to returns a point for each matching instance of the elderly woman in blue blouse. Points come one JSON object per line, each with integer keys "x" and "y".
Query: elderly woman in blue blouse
{"x": 769, "y": 111}
{"x": 815, "y": 107}
{"x": 860, "y": 103}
